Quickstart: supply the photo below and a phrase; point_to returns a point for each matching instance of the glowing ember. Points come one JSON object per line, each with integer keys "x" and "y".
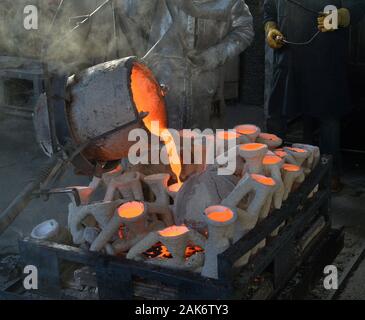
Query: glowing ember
{"x": 228, "y": 135}
{"x": 160, "y": 251}
{"x": 246, "y": 129}
{"x": 192, "y": 250}
{"x": 263, "y": 180}
{"x": 131, "y": 210}
{"x": 219, "y": 214}
{"x": 270, "y": 159}
{"x": 173, "y": 231}
{"x": 291, "y": 167}
{"x": 252, "y": 146}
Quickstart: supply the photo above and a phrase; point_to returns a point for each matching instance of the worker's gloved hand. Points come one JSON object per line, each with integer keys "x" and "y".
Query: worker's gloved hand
{"x": 274, "y": 37}
{"x": 344, "y": 20}
{"x": 207, "y": 60}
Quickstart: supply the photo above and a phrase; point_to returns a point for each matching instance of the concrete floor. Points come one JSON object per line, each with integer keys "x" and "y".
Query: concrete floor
{"x": 21, "y": 158}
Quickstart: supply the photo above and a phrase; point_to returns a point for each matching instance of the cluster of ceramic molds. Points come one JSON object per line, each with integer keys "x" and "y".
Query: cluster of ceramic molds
{"x": 86, "y": 221}
{"x": 129, "y": 186}
{"x": 252, "y": 199}
{"x": 129, "y": 224}
{"x": 269, "y": 175}
{"x": 110, "y": 225}
{"x": 176, "y": 239}
{"x": 86, "y": 193}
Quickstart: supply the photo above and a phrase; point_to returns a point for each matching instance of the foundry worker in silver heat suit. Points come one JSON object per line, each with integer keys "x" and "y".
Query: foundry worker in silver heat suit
{"x": 185, "y": 42}
{"x": 189, "y": 43}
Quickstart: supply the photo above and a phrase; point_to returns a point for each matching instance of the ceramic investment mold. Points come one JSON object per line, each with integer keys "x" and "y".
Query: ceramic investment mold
{"x": 220, "y": 221}
{"x": 158, "y": 185}
{"x": 176, "y": 239}
{"x": 272, "y": 168}
{"x": 248, "y": 133}
{"x": 91, "y": 215}
{"x": 129, "y": 186}
{"x": 253, "y": 154}
{"x": 257, "y": 190}
{"x": 292, "y": 175}
{"x": 300, "y": 155}
{"x": 271, "y": 140}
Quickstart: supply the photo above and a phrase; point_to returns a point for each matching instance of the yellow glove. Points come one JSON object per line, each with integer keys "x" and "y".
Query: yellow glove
{"x": 344, "y": 20}
{"x": 274, "y": 37}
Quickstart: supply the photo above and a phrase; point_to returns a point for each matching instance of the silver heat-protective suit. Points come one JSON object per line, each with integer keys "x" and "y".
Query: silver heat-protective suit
{"x": 190, "y": 41}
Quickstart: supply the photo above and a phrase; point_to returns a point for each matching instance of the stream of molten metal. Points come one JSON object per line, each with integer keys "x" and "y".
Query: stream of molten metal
{"x": 148, "y": 97}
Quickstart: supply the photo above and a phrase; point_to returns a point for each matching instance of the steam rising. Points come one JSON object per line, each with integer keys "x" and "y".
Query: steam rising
{"x": 94, "y": 42}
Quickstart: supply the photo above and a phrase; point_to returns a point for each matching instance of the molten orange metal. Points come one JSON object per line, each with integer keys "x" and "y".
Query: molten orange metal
{"x": 291, "y": 167}
{"x": 175, "y": 187}
{"x": 131, "y": 210}
{"x": 252, "y": 146}
{"x": 263, "y": 180}
{"x": 221, "y": 216}
{"x": 246, "y": 129}
{"x": 173, "y": 231}
{"x": 270, "y": 159}
{"x": 174, "y": 157}
{"x": 148, "y": 97}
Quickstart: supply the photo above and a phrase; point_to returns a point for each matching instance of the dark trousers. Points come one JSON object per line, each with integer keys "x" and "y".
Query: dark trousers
{"x": 329, "y": 135}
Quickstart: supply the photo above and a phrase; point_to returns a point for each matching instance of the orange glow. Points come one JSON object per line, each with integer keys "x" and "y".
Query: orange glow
{"x": 173, "y": 231}
{"x": 291, "y": 167}
{"x": 131, "y": 210}
{"x": 252, "y": 146}
{"x": 192, "y": 250}
{"x": 147, "y": 96}
{"x": 165, "y": 253}
{"x": 227, "y": 135}
{"x": 221, "y": 216}
{"x": 174, "y": 157}
{"x": 270, "y": 159}
{"x": 160, "y": 251}
{"x": 280, "y": 153}
{"x": 175, "y": 187}
{"x": 263, "y": 180}
{"x": 246, "y": 129}
{"x": 297, "y": 150}
{"x": 269, "y": 136}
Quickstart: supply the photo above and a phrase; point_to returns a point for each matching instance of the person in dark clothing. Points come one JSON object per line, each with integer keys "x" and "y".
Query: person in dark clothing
{"x": 310, "y": 69}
